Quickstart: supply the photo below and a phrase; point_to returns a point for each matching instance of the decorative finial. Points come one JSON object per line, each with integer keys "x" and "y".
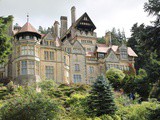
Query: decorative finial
{"x": 27, "y": 17}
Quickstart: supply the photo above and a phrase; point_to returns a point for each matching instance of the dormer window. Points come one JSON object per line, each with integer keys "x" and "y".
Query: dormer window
{"x": 123, "y": 52}
{"x": 100, "y": 55}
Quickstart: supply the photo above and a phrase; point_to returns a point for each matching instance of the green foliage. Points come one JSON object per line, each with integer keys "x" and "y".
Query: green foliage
{"x": 10, "y": 86}
{"x": 154, "y": 113}
{"x": 77, "y": 106}
{"x": 128, "y": 84}
{"x": 5, "y": 39}
{"x": 155, "y": 92}
{"x": 122, "y": 100}
{"x": 73, "y": 102}
{"x": 101, "y": 100}
{"x": 145, "y": 42}
{"x": 101, "y": 40}
{"x": 118, "y": 37}
{"x": 115, "y": 76}
{"x": 7, "y": 91}
{"x": 152, "y": 7}
{"x": 137, "y": 111}
{"x": 3, "y": 92}
{"x": 29, "y": 105}
{"x": 137, "y": 84}
{"x": 44, "y": 30}
{"x": 47, "y": 85}
{"x": 106, "y": 117}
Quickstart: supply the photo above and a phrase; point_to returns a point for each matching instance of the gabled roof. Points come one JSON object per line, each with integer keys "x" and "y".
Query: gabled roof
{"x": 28, "y": 28}
{"x": 48, "y": 36}
{"x": 81, "y": 19}
{"x": 90, "y": 54}
{"x": 102, "y": 48}
{"x": 131, "y": 52}
{"x": 114, "y": 48}
{"x": 67, "y": 43}
{"x": 78, "y": 44}
{"x": 111, "y": 57}
{"x": 78, "y": 22}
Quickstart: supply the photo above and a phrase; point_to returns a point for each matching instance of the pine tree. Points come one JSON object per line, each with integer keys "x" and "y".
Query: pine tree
{"x": 101, "y": 100}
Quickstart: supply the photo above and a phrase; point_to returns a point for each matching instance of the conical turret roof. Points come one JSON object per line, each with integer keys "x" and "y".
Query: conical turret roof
{"x": 28, "y": 28}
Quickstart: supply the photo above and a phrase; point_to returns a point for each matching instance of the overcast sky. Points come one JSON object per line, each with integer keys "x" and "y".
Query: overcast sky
{"x": 105, "y": 14}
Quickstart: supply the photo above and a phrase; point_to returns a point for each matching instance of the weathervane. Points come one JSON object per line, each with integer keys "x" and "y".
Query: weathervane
{"x": 27, "y": 17}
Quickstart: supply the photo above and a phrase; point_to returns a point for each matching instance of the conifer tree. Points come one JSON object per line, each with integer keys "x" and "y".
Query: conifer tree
{"x": 101, "y": 100}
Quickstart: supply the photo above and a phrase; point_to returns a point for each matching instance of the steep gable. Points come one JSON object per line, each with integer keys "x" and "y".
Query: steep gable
{"x": 112, "y": 57}
{"x": 48, "y": 36}
{"x": 78, "y": 48}
{"x": 66, "y": 43}
{"x": 85, "y": 23}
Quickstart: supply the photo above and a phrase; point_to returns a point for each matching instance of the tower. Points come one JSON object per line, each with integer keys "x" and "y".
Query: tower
{"x": 26, "y": 57}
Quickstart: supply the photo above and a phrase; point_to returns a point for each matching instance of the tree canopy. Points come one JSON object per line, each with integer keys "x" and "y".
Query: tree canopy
{"x": 5, "y": 38}
{"x": 115, "y": 76}
{"x": 145, "y": 41}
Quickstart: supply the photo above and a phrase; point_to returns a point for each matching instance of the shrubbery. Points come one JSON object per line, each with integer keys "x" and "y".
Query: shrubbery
{"x": 29, "y": 105}
{"x": 137, "y": 111}
{"x": 115, "y": 76}
{"x": 63, "y": 102}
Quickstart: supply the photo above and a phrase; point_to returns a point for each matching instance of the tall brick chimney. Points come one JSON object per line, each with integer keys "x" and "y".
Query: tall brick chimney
{"x": 63, "y": 28}
{"x": 73, "y": 14}
{"x": 56, "y": 29}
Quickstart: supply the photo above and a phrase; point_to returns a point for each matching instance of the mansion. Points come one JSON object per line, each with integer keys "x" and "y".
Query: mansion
{"x": 66, "y": 55}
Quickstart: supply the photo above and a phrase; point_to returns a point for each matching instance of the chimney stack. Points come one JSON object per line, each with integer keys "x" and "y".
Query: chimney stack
{"x": 63, "y": 29}
{"x": 73, "y": 14}
{"x": 108, "y": 38}
{"x": 56, "y": 29}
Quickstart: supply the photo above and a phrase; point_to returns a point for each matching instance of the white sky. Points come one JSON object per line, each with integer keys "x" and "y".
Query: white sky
{"x": 105, "y": 14}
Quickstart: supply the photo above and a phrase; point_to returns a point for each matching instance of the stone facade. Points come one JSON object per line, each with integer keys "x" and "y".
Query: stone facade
{"x": 64, "y": 55}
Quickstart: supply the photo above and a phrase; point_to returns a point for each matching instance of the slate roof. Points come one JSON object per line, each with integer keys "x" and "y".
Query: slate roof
{"x": 131, "y": 52}
{"x": 77, "y": 22}
{"x": 28, "y": 28}
{"x": 90, "y": 54}
{"x": 102, "y": 48}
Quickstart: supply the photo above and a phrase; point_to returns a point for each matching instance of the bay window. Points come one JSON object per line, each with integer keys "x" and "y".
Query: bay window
{"x": 27, "y": 67}
{"x": 24, "y": 67}
{"x": 27, "y": 50}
